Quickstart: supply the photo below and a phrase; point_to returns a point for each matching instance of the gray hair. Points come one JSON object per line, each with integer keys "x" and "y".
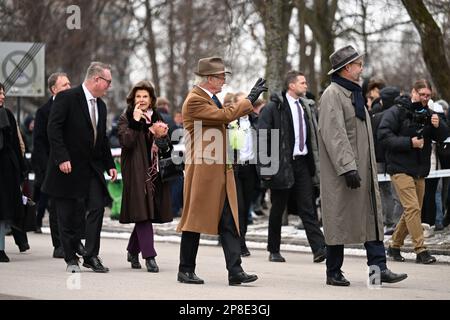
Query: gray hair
{"x": 53, "y": 78}
{"x": 96, "y": 68}
{"x": 200, "y": 79}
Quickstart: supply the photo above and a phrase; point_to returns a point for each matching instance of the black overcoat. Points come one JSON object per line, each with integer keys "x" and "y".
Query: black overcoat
{"x": 71, "y": 138}
{"x": 11, "y": 171}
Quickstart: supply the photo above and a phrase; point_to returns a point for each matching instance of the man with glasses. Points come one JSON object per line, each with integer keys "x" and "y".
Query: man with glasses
{"x": 408, "y": 150}
{"x": 290, "y": 113}
{"x": 79, "y": 155}
{"x": 351, "y": 206}
{"x": 210, "y": 200}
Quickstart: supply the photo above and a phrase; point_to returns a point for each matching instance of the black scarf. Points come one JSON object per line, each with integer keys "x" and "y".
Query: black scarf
{"x": 357, "y": 100}
{"x": 4, "y": 123}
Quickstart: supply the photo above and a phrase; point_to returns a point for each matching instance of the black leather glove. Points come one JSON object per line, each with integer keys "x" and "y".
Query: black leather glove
{"x": 257, "y": 89}
{"x": 352, "y": 179}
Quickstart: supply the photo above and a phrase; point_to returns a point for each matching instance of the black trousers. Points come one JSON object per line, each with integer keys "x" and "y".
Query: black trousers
{"x": 20, "y": 237}
{"x": 229, "y": 239}
{"x": 429, "y": 201}
{"x": 44, "y": 203}
{"x": 245, "y": 176}
{"x": 304, "y": 194}
{"x": 374, "y": 251}
{"x": 70, "y": 213}
{"x": 72, "y": 218}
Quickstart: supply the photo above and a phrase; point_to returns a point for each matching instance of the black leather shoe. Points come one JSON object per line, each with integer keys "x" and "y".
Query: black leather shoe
{"x": 394, "y": 253}
{"x": 389, "y": 277}
{"x": 151, "y": 265}
{"x": 276, "y": 257}
{"x": 245, "y": 252}
{"x": 95, "y": 264}
{"x": 3, "y": 256}
{"x": 81, "y": 250}
{"x": 24, "y": 247}
{"x": 38, "y": 230}
{"x": 189, "y": 277}
{"x": 134, "y": 259}
{"x": 320, "y": 255}
{"x": 425, "y": 257}
{"x": 58, "y": 253}
{"x": 241, "y": 277}
{"x": 338, "y": 279}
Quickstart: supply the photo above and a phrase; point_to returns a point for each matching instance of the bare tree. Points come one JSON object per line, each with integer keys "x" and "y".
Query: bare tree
{"x": 151, "y": 44}
{"x": 320, "y": 18}
{"x": 306, "y": 61}
{"x": 433, "y": 48}
{"x": 275, "y": 16}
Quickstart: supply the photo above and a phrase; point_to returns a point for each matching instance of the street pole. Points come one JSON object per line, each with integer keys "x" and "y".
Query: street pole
{"x": 18, "y": 111}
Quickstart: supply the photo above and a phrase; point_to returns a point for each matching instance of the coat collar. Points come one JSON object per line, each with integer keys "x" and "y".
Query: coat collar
{"x": 199, "y": 91}
{"x": 346, "y": 92}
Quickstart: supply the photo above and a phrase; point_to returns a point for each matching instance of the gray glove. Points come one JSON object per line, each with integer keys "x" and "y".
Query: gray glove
{"x": 257, "y": 89}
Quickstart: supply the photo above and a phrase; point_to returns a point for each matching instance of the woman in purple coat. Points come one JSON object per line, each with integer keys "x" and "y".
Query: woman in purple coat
{"x": 145, "y": 198}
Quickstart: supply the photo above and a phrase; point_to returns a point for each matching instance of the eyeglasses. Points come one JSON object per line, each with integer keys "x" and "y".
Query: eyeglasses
{"x": 107, "y": 81}
{"x": 425, "y": 95}
{"x": 220, "y": 78}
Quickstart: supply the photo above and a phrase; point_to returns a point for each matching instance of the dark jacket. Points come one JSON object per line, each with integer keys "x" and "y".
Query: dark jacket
{"x": 277, "y": 115}
{"x": 140, "y": 200}
{"x": 41, "y": 146}
{"x": 11, "y": 168}
{"x": 395, "y": 132}
{"x": 71, "y": 138}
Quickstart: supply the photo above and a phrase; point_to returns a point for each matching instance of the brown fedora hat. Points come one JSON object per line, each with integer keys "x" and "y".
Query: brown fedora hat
{"x": 210, "y": 66}
{"x": 342, "y": 57}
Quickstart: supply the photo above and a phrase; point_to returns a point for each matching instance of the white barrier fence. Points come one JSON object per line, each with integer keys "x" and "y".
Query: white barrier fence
{"x": 433, "y": 174}
{"x": 381, "y": 177}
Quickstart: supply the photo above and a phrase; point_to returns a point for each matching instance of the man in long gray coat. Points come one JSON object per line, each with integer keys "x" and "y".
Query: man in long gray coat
{"x": 351, "y": 204}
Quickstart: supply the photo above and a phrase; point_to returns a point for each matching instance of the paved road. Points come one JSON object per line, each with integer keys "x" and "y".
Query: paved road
{"x": 35, "y": 275}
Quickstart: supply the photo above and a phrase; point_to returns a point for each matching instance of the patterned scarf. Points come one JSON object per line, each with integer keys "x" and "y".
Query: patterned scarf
{"x": 152, "y": 171}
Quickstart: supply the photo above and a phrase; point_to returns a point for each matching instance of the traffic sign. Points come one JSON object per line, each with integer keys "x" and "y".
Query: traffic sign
{"x": 22, "y": 69}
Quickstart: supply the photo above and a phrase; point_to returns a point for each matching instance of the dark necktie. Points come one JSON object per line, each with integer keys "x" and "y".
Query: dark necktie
{"x": 216, "y": 100}
{"x": 300, "y": 126}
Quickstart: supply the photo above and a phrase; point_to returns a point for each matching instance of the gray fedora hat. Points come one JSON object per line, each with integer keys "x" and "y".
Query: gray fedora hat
{"x": 342, "y": 57}
{"x": 210, "y": 66}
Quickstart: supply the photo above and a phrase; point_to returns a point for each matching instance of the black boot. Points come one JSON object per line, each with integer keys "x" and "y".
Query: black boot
{"x": 394, "y": 253}
{"x": 3, "y": 256}
{"x": 134, "y": 259}
{"x": 151, "y": 265}
{"x": 425, "y": 258}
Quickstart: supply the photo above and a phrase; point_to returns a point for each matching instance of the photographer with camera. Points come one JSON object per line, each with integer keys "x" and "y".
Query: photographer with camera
{"x": 406, "y": 131}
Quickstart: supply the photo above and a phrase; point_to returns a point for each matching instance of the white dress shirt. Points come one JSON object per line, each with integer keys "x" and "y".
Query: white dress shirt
{"x": 295, "y": 118}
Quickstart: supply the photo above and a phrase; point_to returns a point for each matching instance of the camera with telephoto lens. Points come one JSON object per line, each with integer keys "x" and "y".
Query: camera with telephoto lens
{"x": 421, "y": 117}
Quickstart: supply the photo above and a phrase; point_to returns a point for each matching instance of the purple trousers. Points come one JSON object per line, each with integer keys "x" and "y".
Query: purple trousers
{"x": 141, "y": 240}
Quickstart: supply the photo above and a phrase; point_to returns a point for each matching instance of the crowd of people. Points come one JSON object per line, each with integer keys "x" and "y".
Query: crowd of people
{"x": 333, "y": 149}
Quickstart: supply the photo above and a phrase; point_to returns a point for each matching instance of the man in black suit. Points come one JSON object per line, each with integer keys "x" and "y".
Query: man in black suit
{"x": 292, "y": 114}
{"x": 79, "y": 154}
{"x": 57, "y": 82}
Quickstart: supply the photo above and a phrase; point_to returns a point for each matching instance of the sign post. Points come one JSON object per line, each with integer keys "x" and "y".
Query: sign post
{"x": 22, "y": 68}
